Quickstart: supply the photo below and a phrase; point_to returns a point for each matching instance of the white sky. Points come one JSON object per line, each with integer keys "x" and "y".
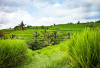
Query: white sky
{"x": 47, "y": 12}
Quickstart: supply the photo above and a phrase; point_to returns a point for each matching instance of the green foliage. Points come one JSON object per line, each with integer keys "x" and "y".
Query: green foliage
{"x": 12, "y": 52}
{"x": 12, "y": 36}
{"x": 54, "y": 24}
{"x": 90, "y": 25}
{"x": 83, "y": 50}
{"x": 92, "y": 22}
{"x": 77, "y": 53}
{"x": 54, "y": 41}
{"x": 6, "y": 31}
{"x": 29, "y": 26}
{"x": 18, "y": 28}
{"x": 47, "y": 42}
{"x": 55, "y": 34}
{"x": 36, "y": 34}
{"x": 42, "y": 27}
{"x": 70, "y": 23}
{"x": 64, "y": 28}
{"x": 1, "y": 35}
{"x": 50, "y": 39}
{"x": 98, "y": 21}
{"x": 68, "y": 35}
{"x": 78, "y": 22}
{"x": 35, "y": 45}
{"x": 22, "y": 25}
{"x": 46, "y": 34}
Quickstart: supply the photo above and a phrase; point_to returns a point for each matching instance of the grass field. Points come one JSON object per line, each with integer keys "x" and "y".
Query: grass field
{"x": 80, "y": 51}
{"x": 64, "y": 29}
{"x": 12, "y": 52}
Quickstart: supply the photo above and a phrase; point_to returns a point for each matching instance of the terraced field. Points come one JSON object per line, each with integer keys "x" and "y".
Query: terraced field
{"x": 69, "y": 53}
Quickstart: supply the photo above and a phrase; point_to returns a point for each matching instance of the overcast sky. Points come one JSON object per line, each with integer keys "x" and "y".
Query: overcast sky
{"x": 47, "y": 12}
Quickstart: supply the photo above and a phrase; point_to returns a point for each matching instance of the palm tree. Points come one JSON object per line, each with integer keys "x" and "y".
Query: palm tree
{"x": 78, "y": 22}
{"x": 22, "y": 25}
{"x": 36, "y": 34}
{"x": 68, "y": 35}
{"x": 46, "y": 34}
{"x": 55, "y": 34}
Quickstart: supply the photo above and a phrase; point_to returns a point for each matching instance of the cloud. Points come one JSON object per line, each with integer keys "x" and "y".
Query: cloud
{"x": 47, "y": 12}
{"x": 15, "y": 2}
{"x": 12, "y": 19}
{"x": 14, "y": 5}
{"x": 43, "y": 3}
{"x": 73, "y": 9}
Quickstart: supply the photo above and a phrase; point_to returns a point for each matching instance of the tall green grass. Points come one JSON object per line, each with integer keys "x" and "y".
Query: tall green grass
{"x": 12, "y": 52}
{"x": 83, "y": 50}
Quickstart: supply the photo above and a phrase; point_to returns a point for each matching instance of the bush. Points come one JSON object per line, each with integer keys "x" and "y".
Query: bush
{"x": 1, "y": 35}
{"x": 12, "y": 52}
{"x": 42, "y": 27}
{"x": 83, "y": 50}
{"x": 35, "y": 45}
{"x": 54, "y": 41}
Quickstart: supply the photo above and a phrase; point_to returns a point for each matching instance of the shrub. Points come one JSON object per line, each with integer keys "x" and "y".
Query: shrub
{"x": 98, "y": 21}
{"x": 42, "y": 27}
{"x": 12, "y": 36}
{"x": 90, "y": 25}
{"x": 1, "y": 35}
{"x": 83, "y": 50}
{"x": 29, "y": 26}
{"x": 12, "y": 52}
{"x": 54, "y": 41}
{"x": 35, "y": 44}
{"x": 68, "y": 35}
{"x": 56, "y": 34}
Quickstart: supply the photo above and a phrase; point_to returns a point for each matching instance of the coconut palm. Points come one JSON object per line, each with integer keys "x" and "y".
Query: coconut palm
{"x": 36, "y": 34}
{"x": 46, "y": 34}
{"x": 55, "y": 34}
{"x": 22, "y": 25}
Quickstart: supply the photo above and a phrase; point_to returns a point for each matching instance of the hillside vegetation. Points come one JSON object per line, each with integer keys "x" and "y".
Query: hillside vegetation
{"x": 58, "y": 46}
{"x": 83, "y": 50}
{"x": 12, "y": 52}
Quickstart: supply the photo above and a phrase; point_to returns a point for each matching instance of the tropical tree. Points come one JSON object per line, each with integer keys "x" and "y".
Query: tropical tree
{"x": 22, "y": 25}
{"x": 48, "y": 42}
{"x": 29, "y": 26}
{"x": 47, "y": 37}
{"x": 98, "y": 21}
{"x": 78, "y": 22}
{"x": 54, "y": 24}
{"x": 68, "y": 35}
{"x": 46, "y": 34}
{"x": 36, "y": 34}
{"x": 42, "y": 27}
{"x": 12, "y": 36}
{"x": 55, "y": 34}
{"x": 17, "y": 28}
